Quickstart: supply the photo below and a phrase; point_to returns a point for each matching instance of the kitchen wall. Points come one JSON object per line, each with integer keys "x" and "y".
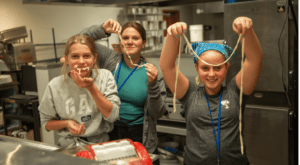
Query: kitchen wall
{"x": 66, "y": 21}
{"x": 69, "y": 20}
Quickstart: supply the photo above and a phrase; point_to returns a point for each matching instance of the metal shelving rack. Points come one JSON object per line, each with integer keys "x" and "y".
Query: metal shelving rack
{"x": 54, "y": 44}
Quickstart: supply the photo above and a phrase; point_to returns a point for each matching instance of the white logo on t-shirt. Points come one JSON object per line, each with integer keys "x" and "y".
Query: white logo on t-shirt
{"x": 83, "y": 105}
{"x": 226, "y": 103}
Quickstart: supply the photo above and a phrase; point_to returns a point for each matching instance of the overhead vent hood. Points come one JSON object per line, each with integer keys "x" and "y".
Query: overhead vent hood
{"x": 118, "y": 3}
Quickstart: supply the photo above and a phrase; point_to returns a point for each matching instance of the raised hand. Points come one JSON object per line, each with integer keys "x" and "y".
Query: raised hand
{"x": 81, "y": 82}
{"x": 177, "y": 28}
{"x": 242, "y": 25}
{"x": 112, "y": 26}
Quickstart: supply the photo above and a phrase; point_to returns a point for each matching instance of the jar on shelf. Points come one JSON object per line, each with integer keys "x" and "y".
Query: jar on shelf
{"x": 145, "y": 25}
{"x": 131, "y": 10}
{"x": 148, "y": 10}
{"x": 154, "y": 10}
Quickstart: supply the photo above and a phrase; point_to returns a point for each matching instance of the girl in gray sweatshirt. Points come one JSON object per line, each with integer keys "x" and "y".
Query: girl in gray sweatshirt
{"x": 84, "y": 102}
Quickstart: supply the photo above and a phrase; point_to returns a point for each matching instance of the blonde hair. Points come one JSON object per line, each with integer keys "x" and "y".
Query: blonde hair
{"x": 197, "y": 80}
{"x": 82, "y": 39}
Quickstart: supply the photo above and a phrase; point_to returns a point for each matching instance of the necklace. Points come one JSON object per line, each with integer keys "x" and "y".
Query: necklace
{"x": 219, "y": 123}
{"x": 127, "y": 76}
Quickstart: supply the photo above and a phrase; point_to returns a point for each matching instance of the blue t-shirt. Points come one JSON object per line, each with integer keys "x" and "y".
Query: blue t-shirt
{"x": 133, "y": 94}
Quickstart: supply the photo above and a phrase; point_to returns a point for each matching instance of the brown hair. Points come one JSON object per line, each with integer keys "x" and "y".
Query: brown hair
{"x": 138, "y": 27}
{"x": 83, "y": 39}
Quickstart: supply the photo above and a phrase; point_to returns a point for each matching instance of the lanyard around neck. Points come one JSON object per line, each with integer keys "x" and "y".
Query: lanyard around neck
{"x": 219, "y": 122}
{"x": 127, "y": 76}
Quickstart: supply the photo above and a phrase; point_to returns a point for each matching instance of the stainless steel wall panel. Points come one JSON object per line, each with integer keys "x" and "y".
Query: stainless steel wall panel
{"x": 269, "y": 27}
{"x": 266, "y": 134}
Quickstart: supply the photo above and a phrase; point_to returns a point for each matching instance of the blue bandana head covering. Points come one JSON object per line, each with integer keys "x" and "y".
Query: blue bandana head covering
{"x": 201, "y": 47}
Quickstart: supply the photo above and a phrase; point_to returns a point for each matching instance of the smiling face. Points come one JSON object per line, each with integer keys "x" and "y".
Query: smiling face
{"x": 133, "y": 42}
{"x": 212, "y": 76}
{"x": 80, "y": 58}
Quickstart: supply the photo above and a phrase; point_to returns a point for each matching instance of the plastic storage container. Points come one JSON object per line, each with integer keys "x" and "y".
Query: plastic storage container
{"x": 196, "y": 33}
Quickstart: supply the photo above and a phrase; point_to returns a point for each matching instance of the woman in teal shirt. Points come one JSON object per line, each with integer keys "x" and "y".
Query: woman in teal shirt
{"x": 141, "y": 89}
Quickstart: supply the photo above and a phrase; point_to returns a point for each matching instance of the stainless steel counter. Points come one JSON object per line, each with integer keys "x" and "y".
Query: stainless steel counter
{"x": 16, "y": 151}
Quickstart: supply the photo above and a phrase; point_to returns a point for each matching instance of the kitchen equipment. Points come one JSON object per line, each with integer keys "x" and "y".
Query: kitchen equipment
{"x": 7, "y": 36}
{"x": 196, "y": 33}
{"x": 16, "y": 53}
{"x": 117, "y": 152}
{"x": 170, "y": 115}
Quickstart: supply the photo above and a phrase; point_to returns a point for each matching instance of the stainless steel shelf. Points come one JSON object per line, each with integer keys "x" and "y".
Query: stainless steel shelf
{"x": 171, "y": 130}
{"x": 171, "y": 127}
